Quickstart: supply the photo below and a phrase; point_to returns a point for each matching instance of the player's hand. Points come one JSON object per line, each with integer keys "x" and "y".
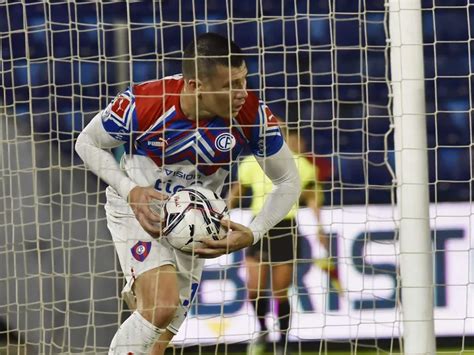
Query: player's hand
{"x": 238, "y": 237}
{"x": 139, "y": 199}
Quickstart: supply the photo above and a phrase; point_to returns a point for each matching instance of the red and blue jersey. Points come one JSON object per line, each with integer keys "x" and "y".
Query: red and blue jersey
{"x": 165, "y": 148}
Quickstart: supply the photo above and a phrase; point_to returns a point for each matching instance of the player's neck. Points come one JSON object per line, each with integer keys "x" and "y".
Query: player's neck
{"x": 189, "y": 105}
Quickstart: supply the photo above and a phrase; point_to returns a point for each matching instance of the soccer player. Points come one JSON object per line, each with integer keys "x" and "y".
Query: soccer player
{"x": 277, "y": 250}
{"x": 178, "y": 131}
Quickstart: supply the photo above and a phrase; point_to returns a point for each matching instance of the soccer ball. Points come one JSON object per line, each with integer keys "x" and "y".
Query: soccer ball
{"x": 191, "y": 215}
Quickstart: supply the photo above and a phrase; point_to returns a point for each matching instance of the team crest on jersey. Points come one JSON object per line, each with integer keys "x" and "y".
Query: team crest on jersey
{"x": 225, "y": 142}
{"x": 141, "y": 250}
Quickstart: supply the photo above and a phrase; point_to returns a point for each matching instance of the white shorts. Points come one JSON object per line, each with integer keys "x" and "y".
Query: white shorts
{"x": 139, "y": 252}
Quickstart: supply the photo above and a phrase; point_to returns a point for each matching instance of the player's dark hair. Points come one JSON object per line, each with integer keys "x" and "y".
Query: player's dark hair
{"x": 209, "y": 50}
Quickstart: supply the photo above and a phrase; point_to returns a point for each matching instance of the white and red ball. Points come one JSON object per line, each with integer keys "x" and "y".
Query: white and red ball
{"x": 191, "y": 215}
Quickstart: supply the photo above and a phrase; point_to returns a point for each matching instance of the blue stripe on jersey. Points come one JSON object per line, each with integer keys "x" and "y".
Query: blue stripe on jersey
{"x": 178, "y": 139}
{"x": 161, "y": 122}
{"x": 120, "y": 117}
{"x": 177, "y": 147}
{"x": 204, "y": 150}
{"x": 265, "y": 141}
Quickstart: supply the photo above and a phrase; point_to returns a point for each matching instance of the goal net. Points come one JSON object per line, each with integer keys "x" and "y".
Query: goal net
{"x": 323, "y": 66}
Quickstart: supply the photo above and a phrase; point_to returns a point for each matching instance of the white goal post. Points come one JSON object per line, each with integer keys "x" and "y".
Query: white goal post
{"x": 381, "y": 93}
{"x": 411, "y": 154}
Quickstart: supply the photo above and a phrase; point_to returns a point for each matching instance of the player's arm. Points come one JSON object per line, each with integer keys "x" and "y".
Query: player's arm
{"x": 238, "y": 236}
{"x": 93, "y": 146}
{"x": 281, "y": 169}
{"x": 310, "y": 197}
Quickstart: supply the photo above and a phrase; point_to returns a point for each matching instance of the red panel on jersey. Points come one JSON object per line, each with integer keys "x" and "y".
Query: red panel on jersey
{"x": 247, "y": 116}
{"x": 153, "y": 98}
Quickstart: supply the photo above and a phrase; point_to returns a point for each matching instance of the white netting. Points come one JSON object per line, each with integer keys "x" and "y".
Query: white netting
{"x": 322, "y": 64}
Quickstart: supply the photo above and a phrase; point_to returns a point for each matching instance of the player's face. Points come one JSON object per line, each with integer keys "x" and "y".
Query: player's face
{"x": 225, "y": 92}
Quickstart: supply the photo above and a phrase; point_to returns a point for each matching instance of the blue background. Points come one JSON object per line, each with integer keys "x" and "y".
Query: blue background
{"x": 323, "y": 63}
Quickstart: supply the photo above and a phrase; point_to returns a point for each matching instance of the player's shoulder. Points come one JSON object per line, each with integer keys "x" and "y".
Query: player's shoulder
{"x": 154, "y": 98}
{"x": 160, "y": 87}
{"x": 249, "y": 111}
{"x": 256, "y": 112}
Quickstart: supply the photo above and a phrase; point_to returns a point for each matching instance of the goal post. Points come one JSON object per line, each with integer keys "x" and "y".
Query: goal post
{"x": 411, "y": 156}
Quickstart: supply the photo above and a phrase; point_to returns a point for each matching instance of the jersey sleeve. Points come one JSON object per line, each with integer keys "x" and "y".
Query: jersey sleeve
{"x": 120, "y": 116}
{"x": 266, "y": 138}
{"x": 260, "y": 127}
